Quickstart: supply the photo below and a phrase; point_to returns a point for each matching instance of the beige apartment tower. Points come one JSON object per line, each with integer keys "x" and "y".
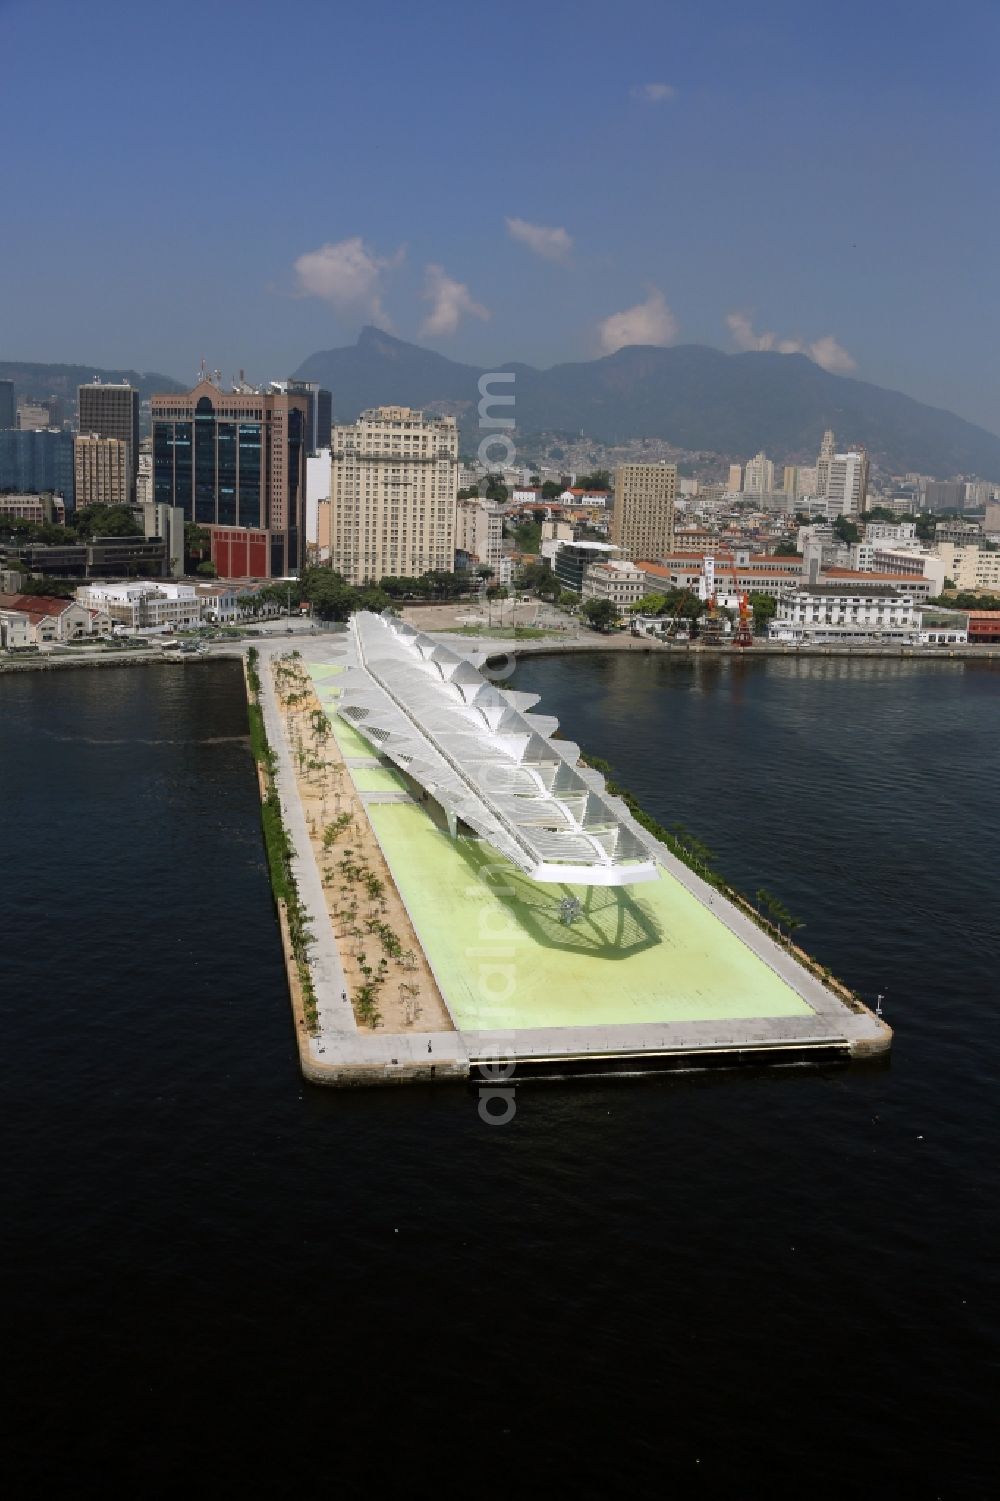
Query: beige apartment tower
{"x": 112, "y": 411}
{"x": 100, "y": 470}
{"x": 393, "y": 495}
{"x": 642, "y": 524}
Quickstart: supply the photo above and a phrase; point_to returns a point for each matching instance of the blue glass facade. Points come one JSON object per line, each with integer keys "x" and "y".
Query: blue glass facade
{"x": 249, "y": 473}
{"x": 211, "y": 468}
{"x": 235, "y": 463}
{"x": 37, "y": 461}
{"x": 227, "y": 473}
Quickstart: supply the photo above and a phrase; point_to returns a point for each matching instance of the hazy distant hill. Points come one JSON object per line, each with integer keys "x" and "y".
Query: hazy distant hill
{"x": 691, "y": 396}
{"x": 62, "y": 380}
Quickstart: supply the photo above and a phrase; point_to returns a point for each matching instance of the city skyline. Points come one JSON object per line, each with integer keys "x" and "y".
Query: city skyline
{"x": 745, "y": 182}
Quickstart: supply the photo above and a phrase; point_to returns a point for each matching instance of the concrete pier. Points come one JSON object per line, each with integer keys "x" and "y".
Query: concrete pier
{"x": 671, "y": 974}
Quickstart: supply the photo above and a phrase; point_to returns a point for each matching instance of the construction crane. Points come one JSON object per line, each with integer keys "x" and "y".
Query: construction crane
{"x": 744, "y": 631}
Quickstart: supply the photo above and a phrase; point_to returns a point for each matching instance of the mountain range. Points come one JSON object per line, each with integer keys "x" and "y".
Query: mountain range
{"x": 691, "y": 396}
{"x": 39, "y": 381}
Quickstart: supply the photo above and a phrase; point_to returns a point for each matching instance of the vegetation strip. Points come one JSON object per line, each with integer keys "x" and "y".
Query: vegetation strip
{"x": 778, "y": 921}
{"x": 278, "y": 845}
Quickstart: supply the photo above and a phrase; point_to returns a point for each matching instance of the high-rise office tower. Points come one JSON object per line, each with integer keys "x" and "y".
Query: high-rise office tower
{"x": 8, "y": 407}
{"x": 735, "y": 482}
{"x": 37, "y": 461}
{"x": 826, "y": 451}
{"x": 642, "y": 523}
{"x": 100, "y": 467}
{"x": 393, "y": 494}
{"x": 235, "y": 462}
{"x": 847, "y": 481}
{"x": 112, "y": 411}
{"x": 319, "y": 411}
{"x": 759, "y": 475}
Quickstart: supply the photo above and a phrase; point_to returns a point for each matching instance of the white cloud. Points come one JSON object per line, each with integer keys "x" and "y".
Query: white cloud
{"x": 826, "y": 351}
{"x": 653, "y": 93}
{"x": 831, "y": 355}
{"x": 649, "y": 322}
{"x": 348, "y": 275}
{"x": 450, "y": 302}
{"x": 552, "y": 243}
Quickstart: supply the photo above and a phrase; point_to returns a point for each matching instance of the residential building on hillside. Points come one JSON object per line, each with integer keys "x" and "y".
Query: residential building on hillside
{"x": 841, "y": 478}
{"x": 393, "y": 493}
{"x": 575, "y": 496}
{"x": 943, "y": 495}
{"x": 642, "y": 522}
{"x": 890, "y": 531}
{"x": 758, "y": 477}
{"x": 964, "y": 533}
{"x": 970, "y": 567}
{"x": 235, "y": 463}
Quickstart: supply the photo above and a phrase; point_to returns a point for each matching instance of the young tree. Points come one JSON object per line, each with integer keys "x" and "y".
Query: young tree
{"x": 601, "y": 614}
{"x": 764, "y": 608}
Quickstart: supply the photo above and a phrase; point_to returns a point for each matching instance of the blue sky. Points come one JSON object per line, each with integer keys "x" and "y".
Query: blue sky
{"x": 252, "y": 182}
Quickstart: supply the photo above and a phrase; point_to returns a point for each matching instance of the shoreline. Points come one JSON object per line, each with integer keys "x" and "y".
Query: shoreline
{"x": 494, "y": 647}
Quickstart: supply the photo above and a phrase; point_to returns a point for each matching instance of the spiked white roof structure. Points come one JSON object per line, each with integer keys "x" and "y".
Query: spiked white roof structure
{"x": 486, "y": 760}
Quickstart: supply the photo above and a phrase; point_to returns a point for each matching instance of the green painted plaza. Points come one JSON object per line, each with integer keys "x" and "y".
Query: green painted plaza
{"x": 504, "y": 959}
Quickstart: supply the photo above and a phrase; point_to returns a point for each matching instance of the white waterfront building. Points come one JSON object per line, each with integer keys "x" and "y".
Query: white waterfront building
{"x": 855, "y": 611}
{"x": 144, "y": 604}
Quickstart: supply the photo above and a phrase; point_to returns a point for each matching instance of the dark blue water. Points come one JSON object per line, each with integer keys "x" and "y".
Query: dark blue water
{"x": 217, "y": 1276}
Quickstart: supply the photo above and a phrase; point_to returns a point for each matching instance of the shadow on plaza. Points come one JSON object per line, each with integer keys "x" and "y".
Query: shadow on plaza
{"x": 610, "y": 924}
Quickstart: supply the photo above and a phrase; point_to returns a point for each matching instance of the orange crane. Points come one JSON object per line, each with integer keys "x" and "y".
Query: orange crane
{"x": 744, "y": 631}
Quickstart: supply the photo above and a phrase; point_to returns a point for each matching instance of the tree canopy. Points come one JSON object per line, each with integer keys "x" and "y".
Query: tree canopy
{"x": 599, "y": 613}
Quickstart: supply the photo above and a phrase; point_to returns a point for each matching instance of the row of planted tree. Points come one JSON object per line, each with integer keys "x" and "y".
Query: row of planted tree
{"x": 361, "y": 913}
{"x": 767, "y": 910}
{"x": 278, "y": 847}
